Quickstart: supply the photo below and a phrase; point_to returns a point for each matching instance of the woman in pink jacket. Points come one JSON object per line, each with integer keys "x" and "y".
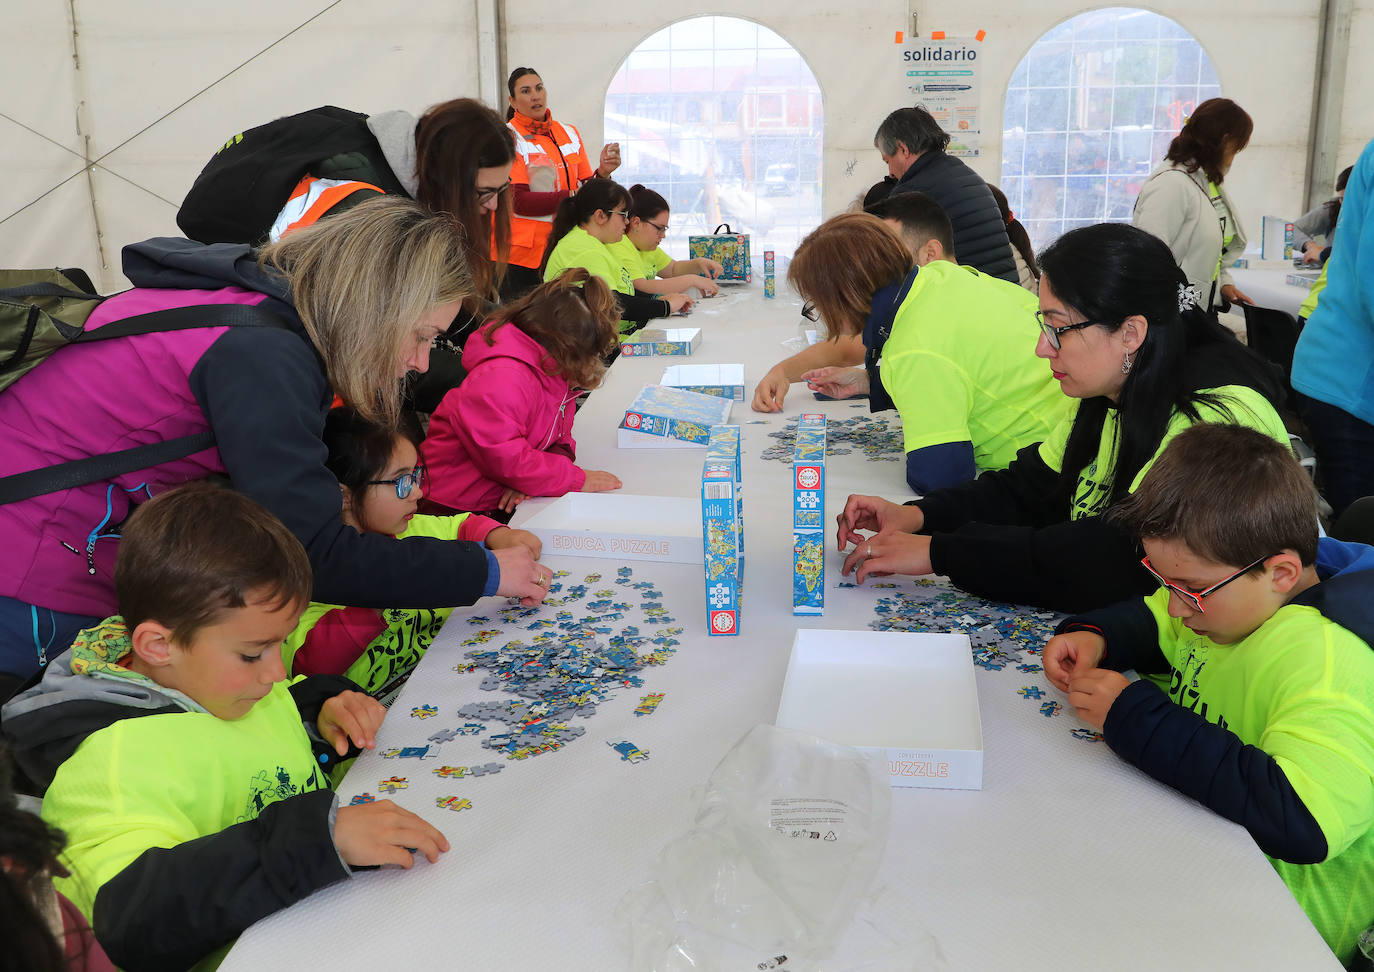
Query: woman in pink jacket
{"x": 506, "y": 432}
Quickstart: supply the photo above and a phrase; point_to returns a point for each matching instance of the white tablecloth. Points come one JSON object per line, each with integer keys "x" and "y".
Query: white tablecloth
{"x": 1267, "y": 285}
{"x": 1066, "y": 859}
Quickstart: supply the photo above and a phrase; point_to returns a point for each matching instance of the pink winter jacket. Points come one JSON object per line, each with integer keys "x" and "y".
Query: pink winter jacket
{"x": 509, "y": 424}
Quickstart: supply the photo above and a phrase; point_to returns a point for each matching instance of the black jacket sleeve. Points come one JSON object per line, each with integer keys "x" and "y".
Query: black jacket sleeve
{"x": 265, "y": 395}
{"x": 1131, "y": 634}
{"x": 1074, "y": 565}
{"x": 1022, "y": 494}
{"x": 174, "y": 905}
{"x": 1209, "y": 763}
{"x": 641, "y": 307}
{"x": 310, "y": 695}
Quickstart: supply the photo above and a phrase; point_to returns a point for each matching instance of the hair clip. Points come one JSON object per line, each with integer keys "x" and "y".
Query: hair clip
{"x": 1188, "y": 296}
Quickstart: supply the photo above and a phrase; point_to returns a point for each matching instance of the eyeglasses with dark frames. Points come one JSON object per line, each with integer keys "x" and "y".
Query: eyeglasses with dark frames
{"x": 663, "y": 230}
{"x": 404, "y": 483}
{"x": 1052, "y": 331}
{"x": 1194, "y": 598}
{"x": 484, "y": 193}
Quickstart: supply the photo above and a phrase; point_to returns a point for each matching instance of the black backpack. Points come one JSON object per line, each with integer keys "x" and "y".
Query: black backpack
{"x": 44, "y": 310}
{"x": 243, "y": 187}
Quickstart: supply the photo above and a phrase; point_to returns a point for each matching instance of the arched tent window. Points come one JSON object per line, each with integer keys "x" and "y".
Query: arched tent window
{"x": 1090, "y": 110}
{"x": 724, "y": 119}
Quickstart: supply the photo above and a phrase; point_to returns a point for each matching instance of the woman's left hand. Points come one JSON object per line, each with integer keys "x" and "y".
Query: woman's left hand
{"x": 889, "y": 553}
{"x": 1233, "y": 293}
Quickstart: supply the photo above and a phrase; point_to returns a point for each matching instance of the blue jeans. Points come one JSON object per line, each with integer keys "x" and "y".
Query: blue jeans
{"x": 1344, "y": 446}
{"x": 30, "y": 637}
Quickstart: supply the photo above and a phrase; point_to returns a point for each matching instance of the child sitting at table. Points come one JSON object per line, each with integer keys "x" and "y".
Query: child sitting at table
{"x": 1259, "y": 696}
{"x": 382, "y": 483}
{"x": 506, "y": 432}
{"x": 584, "y": 227}
{"x": 651, "y": 270}
{"x": 178, "y": 761}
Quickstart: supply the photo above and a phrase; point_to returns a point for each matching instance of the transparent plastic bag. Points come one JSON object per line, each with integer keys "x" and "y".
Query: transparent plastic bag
{"x": 781, "y": 855}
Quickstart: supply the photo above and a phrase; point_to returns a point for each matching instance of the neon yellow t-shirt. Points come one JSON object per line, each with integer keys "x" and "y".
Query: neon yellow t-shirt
{"x": 1301, "y": 688}
{"x": 1247, "y": 407}
{"x": 1309, "y": 304}
{"x": 580, "y": 249}
{"x": 161, "y": 780}
{"x": 639, "y": 264}
{"x": 961, "y": 366}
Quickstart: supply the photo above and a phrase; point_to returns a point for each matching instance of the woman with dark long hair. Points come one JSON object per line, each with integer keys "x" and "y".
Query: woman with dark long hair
{"x": 1124, "y": 332}
{"x": 1183, "y": 202}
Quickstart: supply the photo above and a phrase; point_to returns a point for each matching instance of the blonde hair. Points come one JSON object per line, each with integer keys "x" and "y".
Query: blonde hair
{"x": 842, "y": 263}
{"x": 360, "y": 280}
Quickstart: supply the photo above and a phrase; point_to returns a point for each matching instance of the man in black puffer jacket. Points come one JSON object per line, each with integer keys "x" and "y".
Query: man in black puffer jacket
{"x": 913, "y": 145}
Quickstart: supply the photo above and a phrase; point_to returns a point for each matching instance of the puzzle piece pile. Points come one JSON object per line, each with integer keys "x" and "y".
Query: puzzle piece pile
{"x": 1000, "y": 634}
{"x": 878, "y": 437}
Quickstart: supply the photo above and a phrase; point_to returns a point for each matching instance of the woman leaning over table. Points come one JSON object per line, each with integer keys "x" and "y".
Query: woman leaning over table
{"x": 1184, "y": 204}
{"x": 550, "y": 163}
{"x": 360, "y": 297}
{"x": 1122, "y": 331}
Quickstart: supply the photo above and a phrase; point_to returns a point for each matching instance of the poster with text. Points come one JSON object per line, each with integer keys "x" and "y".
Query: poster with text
{"x": 943, "y": 76}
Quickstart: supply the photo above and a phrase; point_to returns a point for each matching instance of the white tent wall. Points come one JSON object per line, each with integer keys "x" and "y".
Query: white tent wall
{"x": 156, "y": 86}
{"x": 159, "y": 85}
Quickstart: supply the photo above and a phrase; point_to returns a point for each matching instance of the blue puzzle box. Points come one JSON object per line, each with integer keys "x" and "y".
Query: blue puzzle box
{"x": 663, "y": 417}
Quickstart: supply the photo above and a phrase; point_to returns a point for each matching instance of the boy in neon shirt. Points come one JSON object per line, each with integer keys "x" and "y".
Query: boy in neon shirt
{"x": 178, "y": 761}
{"x": 1258, "y": 699}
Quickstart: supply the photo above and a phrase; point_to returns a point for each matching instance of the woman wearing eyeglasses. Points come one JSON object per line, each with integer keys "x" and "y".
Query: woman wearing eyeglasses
{"x": 551, "y": 163}
{"x": 1123, "y": 332}
{"x": 641, "y": 252}
{"x": 348, "y": 306}
{"x": 587, "y": 223}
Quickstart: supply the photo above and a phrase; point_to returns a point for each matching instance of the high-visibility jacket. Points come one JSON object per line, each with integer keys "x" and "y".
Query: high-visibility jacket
{"x": 547, "y": 143}
{"x": 313, "y": 198}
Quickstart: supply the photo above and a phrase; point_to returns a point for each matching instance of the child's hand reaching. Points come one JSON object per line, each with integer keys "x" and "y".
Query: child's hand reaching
{"x": 707, "y": 286}
{"x": 709, "y": 268}
{"x": 678, "y": 302}
{"x": 1071, "y": 654}
{"x": 504, "y": 536}
{"x": 599, "y": 481}
{"x": 510, "y": 499}
{"x": 350, "y": 716}
{"x": 1092, "y": 693}
{"x": 372, "y": 834}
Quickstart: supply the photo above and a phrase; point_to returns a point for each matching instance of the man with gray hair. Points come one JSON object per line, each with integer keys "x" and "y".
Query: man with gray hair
{"x": 913, "y": 145}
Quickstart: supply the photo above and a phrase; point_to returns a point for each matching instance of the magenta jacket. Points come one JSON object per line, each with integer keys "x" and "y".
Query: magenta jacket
{"x": 508, "y": 424}
{"x": 264, "y": 394}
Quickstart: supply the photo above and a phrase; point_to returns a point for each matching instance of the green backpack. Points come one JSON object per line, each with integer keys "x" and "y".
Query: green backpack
{"x": 42, "y": 311}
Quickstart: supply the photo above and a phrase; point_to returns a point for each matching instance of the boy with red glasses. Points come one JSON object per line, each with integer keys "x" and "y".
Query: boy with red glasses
{"x": 1258, "y": 695}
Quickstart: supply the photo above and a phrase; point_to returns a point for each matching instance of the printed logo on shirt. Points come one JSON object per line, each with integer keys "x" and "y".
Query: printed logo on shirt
{"x": 266, "y": 789}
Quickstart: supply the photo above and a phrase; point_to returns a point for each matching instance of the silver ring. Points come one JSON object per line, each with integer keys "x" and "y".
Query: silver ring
{"x": 543, "y": 579}
{"x": 870, "y": 552}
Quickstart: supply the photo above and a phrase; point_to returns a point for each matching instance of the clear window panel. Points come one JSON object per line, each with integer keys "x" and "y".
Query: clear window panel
{"x": 1129, "y": 78}
{"x": 727, "y": 123}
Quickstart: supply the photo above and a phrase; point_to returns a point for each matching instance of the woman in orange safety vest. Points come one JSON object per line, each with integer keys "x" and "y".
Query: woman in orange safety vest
{"x": 550, "y": 163}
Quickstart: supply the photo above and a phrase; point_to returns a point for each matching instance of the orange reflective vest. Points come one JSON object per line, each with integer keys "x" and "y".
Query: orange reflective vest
{"x": 554, "y": 145}
{"x": 311, "y": 199}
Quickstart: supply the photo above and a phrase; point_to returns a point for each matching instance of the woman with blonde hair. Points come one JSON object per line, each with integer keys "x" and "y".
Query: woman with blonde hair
{"x": 240, "y": 389}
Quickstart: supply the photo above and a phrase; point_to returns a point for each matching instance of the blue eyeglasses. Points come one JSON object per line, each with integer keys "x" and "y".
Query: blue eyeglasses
{"x": 403, "y": 484}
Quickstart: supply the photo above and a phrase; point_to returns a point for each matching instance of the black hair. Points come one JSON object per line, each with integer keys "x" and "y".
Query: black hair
{"x": 915, "y": 128}
{"x": 515, "y": 76}
{"x": 879, "y": 191}
{"x": 1015, "y": 231}
{"x": 645, "y": 203}
{"x": 575, "y": 209}
{"x": 360, "y": 449}
{"x": 921, "y": 217}
{"x": 1333, "y": 205}
{"x": 1110, "y": 272}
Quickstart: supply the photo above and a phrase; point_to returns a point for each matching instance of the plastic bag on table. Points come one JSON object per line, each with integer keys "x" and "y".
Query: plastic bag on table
{"x": 782, "y": 853}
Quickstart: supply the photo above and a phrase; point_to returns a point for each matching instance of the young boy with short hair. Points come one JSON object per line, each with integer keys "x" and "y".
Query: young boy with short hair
{"x": 1259, "y": 695}
{"x": 177, "y": 759}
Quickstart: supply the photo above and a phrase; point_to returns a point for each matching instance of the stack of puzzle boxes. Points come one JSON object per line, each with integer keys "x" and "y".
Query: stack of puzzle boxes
{"x": 722, "y": 529}
{"x": 808, "y": 516}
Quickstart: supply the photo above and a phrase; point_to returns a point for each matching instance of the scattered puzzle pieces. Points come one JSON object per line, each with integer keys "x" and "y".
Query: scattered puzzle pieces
{"x": 628, "y": 751}
{"x": 393, "y": 783}
{"x": 648, "y": 704}
{"x": 1087, "y": 735}
{"x": 1030, "y": 692}
{"x": 424, "y": 711}
{"x": 362, "y": 798}
{"x": 453, "y": 803}
{"x": 1049, "y": 709}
